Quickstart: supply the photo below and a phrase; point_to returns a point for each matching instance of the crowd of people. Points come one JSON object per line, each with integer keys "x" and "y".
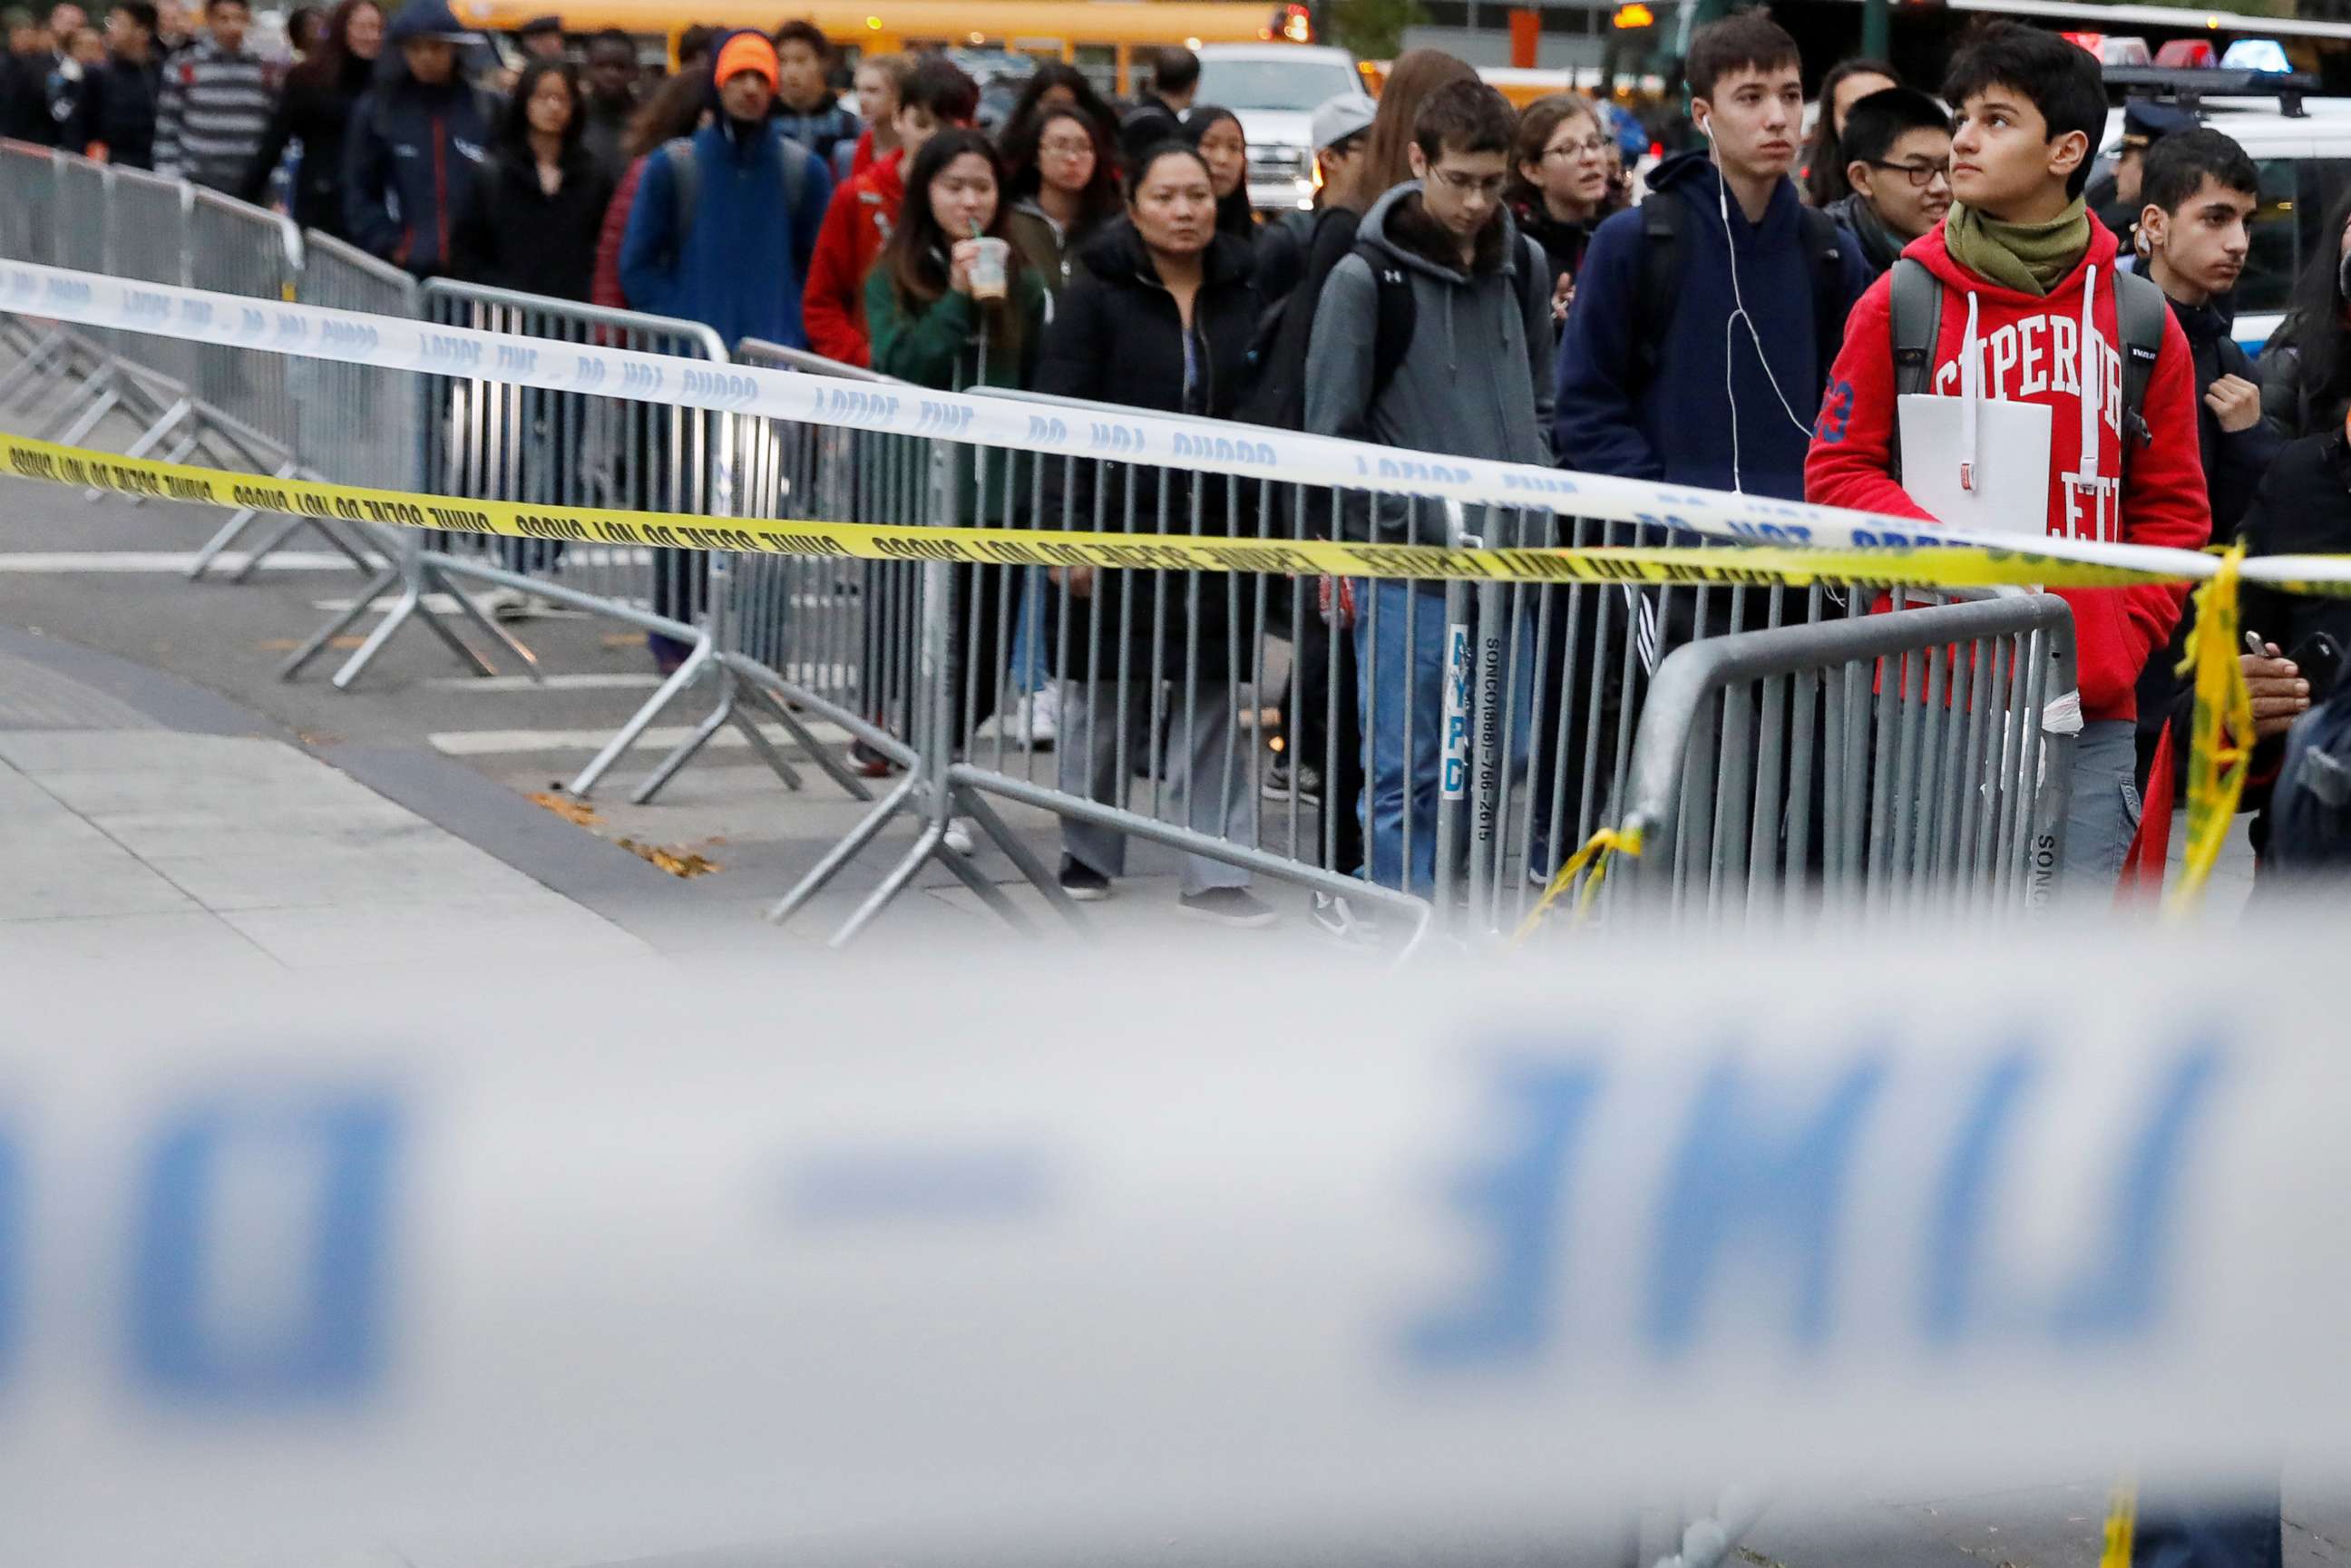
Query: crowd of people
{"x": 1473, "y": 281}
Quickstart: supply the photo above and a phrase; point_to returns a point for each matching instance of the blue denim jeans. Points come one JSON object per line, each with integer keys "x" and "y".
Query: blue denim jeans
{"x": 1029, "y": 672}
{"x": 1401, "y": 655}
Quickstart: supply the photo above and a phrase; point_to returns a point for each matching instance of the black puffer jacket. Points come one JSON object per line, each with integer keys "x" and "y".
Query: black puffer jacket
{"x": 316, "y": 113}
{"x": 512, "y": 235}
{"x": 1118, "y": 338}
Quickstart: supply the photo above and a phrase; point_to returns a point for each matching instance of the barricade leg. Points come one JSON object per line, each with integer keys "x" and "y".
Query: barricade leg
{"x": 848, "y": 850}
{"x": 703, "y": 655}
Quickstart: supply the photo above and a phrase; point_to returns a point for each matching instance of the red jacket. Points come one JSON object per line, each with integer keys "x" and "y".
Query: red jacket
{"x": 856, "y": 227}
{"x": 2032, "y": 355}
{"x": 606, "y": 289}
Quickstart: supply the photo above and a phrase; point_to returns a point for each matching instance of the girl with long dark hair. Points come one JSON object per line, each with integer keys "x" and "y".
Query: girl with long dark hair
{"x": 1847, "y": 83}
{"x": 1223, "y": 146}
{"x": 533, "y": 217}
{"x": 937, "y": 319}
{"x": 949, "y": 304}
{"x": 316, "y": 110}
{"x": 2306, "y": 364}
{"x": 1057, "y": 85}
{"x": 1064, "y": 188}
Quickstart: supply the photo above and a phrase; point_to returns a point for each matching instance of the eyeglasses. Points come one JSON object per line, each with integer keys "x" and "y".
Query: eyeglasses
{"x": 1470, "y": 184}
{"x": 1593, "y": 148}
{"x": 1922, "y": 175}
{"x": 1066, "y": 149}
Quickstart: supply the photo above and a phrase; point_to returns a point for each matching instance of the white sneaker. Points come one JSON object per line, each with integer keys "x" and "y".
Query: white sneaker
{"x": 1044, "y": 717}
{"x": 514, "y": 605}
{"x": 958, "y": 836}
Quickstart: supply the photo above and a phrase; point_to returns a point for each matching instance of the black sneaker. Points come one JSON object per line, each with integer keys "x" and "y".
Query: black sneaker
{"x": 1282, "y": 781}
{"x": 1227, "y": 907}
{"x": 1081, "y": 882}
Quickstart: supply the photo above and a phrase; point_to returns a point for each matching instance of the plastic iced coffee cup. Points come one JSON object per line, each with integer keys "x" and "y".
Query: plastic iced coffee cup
{"x": 988, "y": 262}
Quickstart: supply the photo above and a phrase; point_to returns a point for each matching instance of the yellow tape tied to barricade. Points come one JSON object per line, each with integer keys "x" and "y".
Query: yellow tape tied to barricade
{"x": 1595, "y": 853}
{"x": 2221, "y": 749}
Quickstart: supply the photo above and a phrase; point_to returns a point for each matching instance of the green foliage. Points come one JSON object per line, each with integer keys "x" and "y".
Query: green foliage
{"x": 1373, "y": 29}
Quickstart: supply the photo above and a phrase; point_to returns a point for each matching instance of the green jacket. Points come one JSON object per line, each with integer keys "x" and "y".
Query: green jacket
{"x": 941, "y": 348}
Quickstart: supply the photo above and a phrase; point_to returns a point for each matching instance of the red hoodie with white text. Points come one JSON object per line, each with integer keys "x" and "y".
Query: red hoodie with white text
{"x": 2035, "y": 350}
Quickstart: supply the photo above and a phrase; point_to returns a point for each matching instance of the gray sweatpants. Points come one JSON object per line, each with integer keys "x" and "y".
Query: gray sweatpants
{"x": 1202, "y": 743}
{"x": 2102, "y": 810}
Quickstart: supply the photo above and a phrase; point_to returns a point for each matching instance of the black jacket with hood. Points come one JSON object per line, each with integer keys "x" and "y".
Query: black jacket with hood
{"x": 2235, "y": 462}
{"x": 414, "y": 152}
{"x": 1118, "y": 338}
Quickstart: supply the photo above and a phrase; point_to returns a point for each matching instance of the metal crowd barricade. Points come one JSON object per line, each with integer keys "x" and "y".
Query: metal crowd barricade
{"x": 149, "y": 243}
{"x": 245, "y": 398}
{"x": 500, "y": 441}
{"x": 1166, "y": 683}
{"x": 1897, "y": 762}
{"x": 50, "y": 358}
{"x": 356, "y": 423}
{"x": 840, "y": 634}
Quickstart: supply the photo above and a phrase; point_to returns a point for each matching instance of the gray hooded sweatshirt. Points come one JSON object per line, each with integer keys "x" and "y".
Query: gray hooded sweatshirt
{"x": 1475, "y": 382}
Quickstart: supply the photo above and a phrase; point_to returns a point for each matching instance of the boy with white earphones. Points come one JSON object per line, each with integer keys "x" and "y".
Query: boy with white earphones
{"x": 2014, "y": 299}
{"x": 1705, "y": 320}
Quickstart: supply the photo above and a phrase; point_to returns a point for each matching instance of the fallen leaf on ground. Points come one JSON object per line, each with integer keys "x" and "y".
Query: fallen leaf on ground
{"x": 579, "y": 813}
{"x": 677, "y": 863}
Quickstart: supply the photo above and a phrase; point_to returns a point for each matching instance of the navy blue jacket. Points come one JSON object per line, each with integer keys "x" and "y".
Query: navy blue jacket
{"x": 412, "y": 151}
{"x": 409, "y": 165}
{"x": 1610, "y": 417}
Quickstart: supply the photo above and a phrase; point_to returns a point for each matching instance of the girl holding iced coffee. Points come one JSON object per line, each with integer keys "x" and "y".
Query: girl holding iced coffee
{"x": 951, "y": 305}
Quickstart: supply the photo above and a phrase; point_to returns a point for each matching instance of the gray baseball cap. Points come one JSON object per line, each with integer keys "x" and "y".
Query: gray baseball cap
{"x": 1336, "y": 119}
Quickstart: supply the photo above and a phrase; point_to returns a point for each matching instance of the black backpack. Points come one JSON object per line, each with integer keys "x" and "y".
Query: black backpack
{"x": 1280, "y": 400}
{"x": 2310, "y": 805}
{"x": 1665, "y": 249}
{"x": 1917, "y": 308}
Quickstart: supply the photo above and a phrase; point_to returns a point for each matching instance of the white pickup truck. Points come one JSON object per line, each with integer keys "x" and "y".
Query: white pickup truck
{"x": 1272, "y": 90}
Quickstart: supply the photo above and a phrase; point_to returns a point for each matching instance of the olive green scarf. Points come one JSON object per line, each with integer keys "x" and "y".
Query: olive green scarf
{"x": 2031, "y": 258}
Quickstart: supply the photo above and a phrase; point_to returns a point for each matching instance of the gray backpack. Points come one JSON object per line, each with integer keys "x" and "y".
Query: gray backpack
{"x": 2140, "y": 312}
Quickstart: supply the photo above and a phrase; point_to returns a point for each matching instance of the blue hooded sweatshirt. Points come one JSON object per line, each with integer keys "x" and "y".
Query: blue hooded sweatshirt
{"x": 741, "y": 267}
{"x": 413, "y": 151}
{"x": 1677, "y": 427}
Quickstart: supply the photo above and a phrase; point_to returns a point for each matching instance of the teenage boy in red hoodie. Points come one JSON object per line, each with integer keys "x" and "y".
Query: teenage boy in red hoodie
{"x": 935, "y": 93}
{"x": 2020, "y": 260}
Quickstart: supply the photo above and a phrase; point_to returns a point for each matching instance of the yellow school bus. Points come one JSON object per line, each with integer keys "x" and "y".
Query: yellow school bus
{"x": 1099, "y": 37}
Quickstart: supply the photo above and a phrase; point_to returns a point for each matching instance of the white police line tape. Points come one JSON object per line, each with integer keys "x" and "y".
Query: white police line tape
{"x": 523, "y": 1267}
{"x": 94, "y": 299}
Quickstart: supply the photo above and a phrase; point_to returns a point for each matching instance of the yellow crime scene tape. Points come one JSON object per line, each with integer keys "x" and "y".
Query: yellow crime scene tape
{"x": 2223, "y": 708}
{"x": 1732, "y": 565}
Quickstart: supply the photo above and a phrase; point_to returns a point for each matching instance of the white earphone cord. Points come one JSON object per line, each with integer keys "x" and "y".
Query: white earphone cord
{"x": 1730, "y": 330}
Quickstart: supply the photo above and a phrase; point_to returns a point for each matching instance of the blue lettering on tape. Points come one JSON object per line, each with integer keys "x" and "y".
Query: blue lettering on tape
{"x": 1740, "y": 1177}
{"x": 1515, "y": 1204}
{"x": 331, "y": 1344}
{"x": 2121, "y": 1291}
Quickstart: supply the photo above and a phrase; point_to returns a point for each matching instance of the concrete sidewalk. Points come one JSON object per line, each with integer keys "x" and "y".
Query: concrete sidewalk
{"x": 125, "y": 838}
